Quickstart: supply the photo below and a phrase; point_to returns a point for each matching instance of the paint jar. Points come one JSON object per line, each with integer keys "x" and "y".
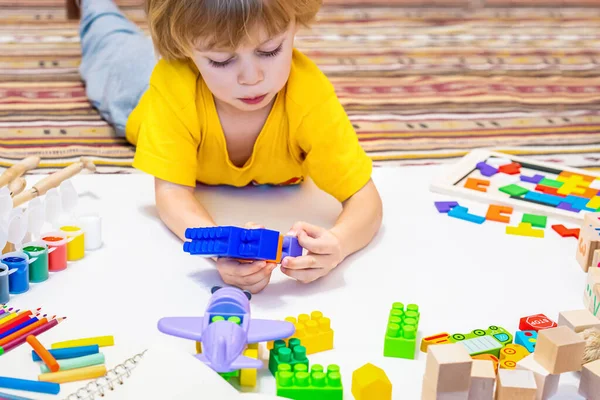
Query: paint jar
{"x": 38, "y": 269}
{"x": 4, "y": 293}
{"x": 91, "y": 225}
{"x": 18, "y": 281}
{"x": 57, "y": 259}
{"x": 75, "y": 242}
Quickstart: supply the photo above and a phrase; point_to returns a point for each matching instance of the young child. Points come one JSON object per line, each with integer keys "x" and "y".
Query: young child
{"x": 230, "y": 102}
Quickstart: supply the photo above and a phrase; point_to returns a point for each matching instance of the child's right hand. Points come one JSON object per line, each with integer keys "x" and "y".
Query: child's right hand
{"x": 252, "y": 277}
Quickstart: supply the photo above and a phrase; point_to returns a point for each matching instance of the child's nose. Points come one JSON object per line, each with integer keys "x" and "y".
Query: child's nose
{"x": 250, "y": 75}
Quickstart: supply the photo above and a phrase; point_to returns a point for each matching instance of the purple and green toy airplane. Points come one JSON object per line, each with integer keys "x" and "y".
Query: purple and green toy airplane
{"x": 226, "y": 329}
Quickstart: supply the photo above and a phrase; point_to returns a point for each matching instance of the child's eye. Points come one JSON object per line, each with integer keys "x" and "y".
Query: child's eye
{"x": 271, "y": 53}
{"x": 219, "y": 64}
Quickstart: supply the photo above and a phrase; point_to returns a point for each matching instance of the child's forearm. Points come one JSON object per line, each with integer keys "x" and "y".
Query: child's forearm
{"x": 179, "y": 209}
{"x": 360, "y": 219}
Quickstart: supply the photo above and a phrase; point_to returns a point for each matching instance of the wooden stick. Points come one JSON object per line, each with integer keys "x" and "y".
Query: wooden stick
{"x": 53, "y": 180}
{"x": 18, "y": 169}
{"x": 17, "y": 186}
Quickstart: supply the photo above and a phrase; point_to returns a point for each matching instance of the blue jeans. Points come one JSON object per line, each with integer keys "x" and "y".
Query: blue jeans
{"x": 117, "y": 61}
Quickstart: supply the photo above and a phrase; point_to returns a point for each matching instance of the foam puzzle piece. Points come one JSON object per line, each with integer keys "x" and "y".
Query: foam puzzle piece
{"x": 401, "y": 334}
{"x": 594, "y": 203}
{"x": 524, "y": 229}
{"x": 532, "y": 179}
{"x": 565, "y": 232}
{"x": 486, "y": 169}
{"x": 543, "y": 198}
{"x": 536, "y": 323}
{"x": 566, "y": 175}
{"x": 551, "y": 183}
{"x": 527, "y": 339}
{"x": 577, "y": 202}
{"x": 477, "y": 184}
{"x": 510, "y": 169}
{"x": 481, "y": 341}
{"x": 514, "y": 190}
{"x": 539, "y": 221}
{"x": 445, "y": 206}
{"x": 495, "y": 213}
{"x": 548, "y": 190}
{"x": 463, "y": 213}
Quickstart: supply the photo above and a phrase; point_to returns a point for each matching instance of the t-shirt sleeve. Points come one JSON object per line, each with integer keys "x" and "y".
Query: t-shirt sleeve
{"x": 334, "y": 159}
{"x": 166, "y": 148}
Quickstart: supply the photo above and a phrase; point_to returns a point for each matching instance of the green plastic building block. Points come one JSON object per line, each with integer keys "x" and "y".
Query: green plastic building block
{"x": 294, "y": 354}
{"x": 513, "y": 190}
{"x": 298, "y": 384}
{"x": 401, "y": 335}
{"x": 550, "y": 183}
{"x": 538, "y": 221}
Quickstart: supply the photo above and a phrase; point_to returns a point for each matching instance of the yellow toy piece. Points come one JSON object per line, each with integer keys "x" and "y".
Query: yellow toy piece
{"x": 198, "y": 347}
{"x": 524, "y": 229}
{"x": 511, "y": 354}
{"x": 248, "y": 376}
{"x": 314, "y": 332}
{"x": 370, "y": 382}
{"x": 440, "y": 338}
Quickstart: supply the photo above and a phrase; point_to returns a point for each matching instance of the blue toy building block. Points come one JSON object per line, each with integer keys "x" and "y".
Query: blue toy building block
{"x": 544, "y": 198}
{"x": 291, "y": 247}
{"x": 463, "y": 213}
{"x": 233, "y": 242}
{"x": 526, "y": 339}
{"x": 445, "y": 206}
{"x": 578, "y": 203}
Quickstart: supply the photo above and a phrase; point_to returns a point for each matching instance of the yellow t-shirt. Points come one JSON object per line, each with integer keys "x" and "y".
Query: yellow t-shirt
{"x": 179, "y": 138}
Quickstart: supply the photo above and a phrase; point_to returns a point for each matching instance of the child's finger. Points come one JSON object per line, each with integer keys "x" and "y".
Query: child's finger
{"x": 311, "y": 244}
{"x": 304, "y": 276}
{"x": 257, "y": 287}
{"x": 235, "y": 268}
{"x": 253, "y": 225}
{"x": 311, "y": 230}
{"x": 253, "y": 279}
{"x": 301, "y": 262}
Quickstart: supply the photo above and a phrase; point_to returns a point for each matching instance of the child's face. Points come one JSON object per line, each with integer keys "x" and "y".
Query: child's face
{"x": 249, "y": 77}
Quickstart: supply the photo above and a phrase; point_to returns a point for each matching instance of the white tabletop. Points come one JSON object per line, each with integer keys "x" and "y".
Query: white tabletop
{"x": 463, "y": 276}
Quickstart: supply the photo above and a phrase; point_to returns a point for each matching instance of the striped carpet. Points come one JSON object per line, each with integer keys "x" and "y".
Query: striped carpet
{"x": 422, "y": 86}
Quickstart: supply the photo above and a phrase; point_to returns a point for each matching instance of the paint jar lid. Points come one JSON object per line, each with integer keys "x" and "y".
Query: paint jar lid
{"x": 6, "y": 203}
{"x": 17, "y": 226}
{"x": 33, "y": 244}
{"x": 55, "y": 238}
{"x": 68, "y": 196}
{"x": 37, "y": 216}
{"x": 53, "y": 205}
{"x": 71, "y": 230}
{"x": 3, "y": 269}
{"x": 19, "y": 254}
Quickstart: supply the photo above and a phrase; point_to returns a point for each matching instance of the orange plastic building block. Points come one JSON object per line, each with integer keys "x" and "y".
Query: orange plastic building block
{"x": 477, "y": 184}
{"x": 314, "y": 332}
{"x": 370, "y": 382}
{"x": 490, "y": 357}
{"x": 495, "y": 212}
{"x": 548, "y": 190}
{"x": 440, "y": 338}
{"x": 511, "y": 354}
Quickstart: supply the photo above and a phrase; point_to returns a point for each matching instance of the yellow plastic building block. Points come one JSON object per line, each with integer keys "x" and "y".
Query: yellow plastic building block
{"x": 511, "y": 354}
{"x": 314, "y": 332}
{"x": 524, "y": 229}
{"x": 248, "y": 376}
{"x": 198, "y": 347}
{"x": 370, "y": 382}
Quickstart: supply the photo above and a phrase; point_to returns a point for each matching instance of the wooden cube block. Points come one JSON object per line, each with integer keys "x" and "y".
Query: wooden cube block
{"x": 448, "y": 367}
{"x": 547, "y": 383}
{"x": 559, "y": 350}
{"x": 589, "y": 385}
{"x": 578, "y": 320}
{"x": 429, "y": 393}
{"x": 591, "y": 295}
{"x": 483, "y": 377}
{"x": 515, "y": 384}
{"x": 589, "y": 240}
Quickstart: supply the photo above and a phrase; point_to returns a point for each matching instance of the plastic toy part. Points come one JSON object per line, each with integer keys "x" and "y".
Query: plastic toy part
{"x": 314, "y": 332}
{"x": 524, "y": 229}
{"x": 440, "y": 338}
{"x": 401, "y": 334}
{"x": 495, "y": 212}
{"x": 510, "y": 169}
{"x": 551, "y": 183}
{"x": 526, "y": 339}
{"x": 565, "y": 232}
{"x": 463, "y": 213}
{"x": 480, "y": 341}
{"x": 248, "y": 375}
{"x": 371, "y": 382}
{"x": 539, "y": 221}
{"x": 486, "y": 169}
{"x": 293, "y": 354}
{"x": 295, "y": 382}
{"x": 536, "y": 323}
{"x": 240, "y": 243}
{"x": 445, "y": 206}
{"x": 513, "y": 190}
{"x": 532, "y": 179}
{"x": 477, "y": 184}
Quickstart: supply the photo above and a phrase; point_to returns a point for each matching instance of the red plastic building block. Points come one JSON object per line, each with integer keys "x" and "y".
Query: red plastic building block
{"x": 565, "y": 232}
{"x": 548, "y": 190}
{"x": 536, "y": 323}
{"x": 510, "y": 169}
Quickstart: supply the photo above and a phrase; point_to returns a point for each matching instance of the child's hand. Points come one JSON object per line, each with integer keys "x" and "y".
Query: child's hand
{"x": 324, "y": 253}
{"x": 252, "y": 277}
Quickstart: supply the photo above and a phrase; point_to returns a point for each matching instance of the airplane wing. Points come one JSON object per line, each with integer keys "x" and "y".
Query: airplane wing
{"x": 264, "y": 330}
{"x": 183, "y": 327}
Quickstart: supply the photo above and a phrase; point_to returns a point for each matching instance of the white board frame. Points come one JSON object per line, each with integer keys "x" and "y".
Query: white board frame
{"x": 446, "y": 184}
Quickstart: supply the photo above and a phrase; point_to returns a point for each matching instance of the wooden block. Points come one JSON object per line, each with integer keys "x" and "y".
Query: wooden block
{"x": 578, "y": 320}
{"x": 591, "y": 295}
{"x": 429, "y": 393}
{"x": 477, "y": 184}
{"x": 488, "y": 357}
{"x": 547, "y": 383}
{"x": 483, "y": 377}
{"x": 495, "y": 212}
{"x": 448, "y": 367}
{"x": 511, "y": 354}
{"x": 589, "y": 385}
{"x": 589, "y": 240}
{"x": 514, "y": 384}
{"x": 559, "y": 350}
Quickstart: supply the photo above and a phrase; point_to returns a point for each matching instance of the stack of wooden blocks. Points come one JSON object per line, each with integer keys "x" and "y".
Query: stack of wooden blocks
{"x": 451, "y": 373}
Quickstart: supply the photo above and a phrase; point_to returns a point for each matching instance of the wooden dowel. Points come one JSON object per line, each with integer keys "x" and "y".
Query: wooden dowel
{"x": 18, "y": 169}
{"x": 17, "y": 186}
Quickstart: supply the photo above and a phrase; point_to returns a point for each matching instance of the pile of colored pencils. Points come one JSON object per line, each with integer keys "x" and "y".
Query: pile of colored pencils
{"x": 16, "y": 325}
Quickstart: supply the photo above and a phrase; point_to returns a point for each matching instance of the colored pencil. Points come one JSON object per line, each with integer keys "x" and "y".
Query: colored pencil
{"x": 9, "y": 318}
{"x": 17, "y": 328}
{"x": 37, "y": 331}
{"x": 23, "y": 331}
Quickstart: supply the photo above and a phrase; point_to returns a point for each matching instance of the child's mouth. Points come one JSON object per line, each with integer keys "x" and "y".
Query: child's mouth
{"x": 254, "y": 100}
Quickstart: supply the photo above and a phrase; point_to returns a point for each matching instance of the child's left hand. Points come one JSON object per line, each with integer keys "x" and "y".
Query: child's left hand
{"x": 324, "y": 253}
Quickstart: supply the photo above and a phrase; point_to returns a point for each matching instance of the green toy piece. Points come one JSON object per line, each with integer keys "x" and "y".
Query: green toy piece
{"x": 298, "y": 384}
{"x": 513, "y": 190}
{"x": 401, "y": 334}
{"x": 550, "y": 183}
{"x": 481, "y": 341}
{"x": 539, "y": 221}
{"x": 294, "y": 354}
